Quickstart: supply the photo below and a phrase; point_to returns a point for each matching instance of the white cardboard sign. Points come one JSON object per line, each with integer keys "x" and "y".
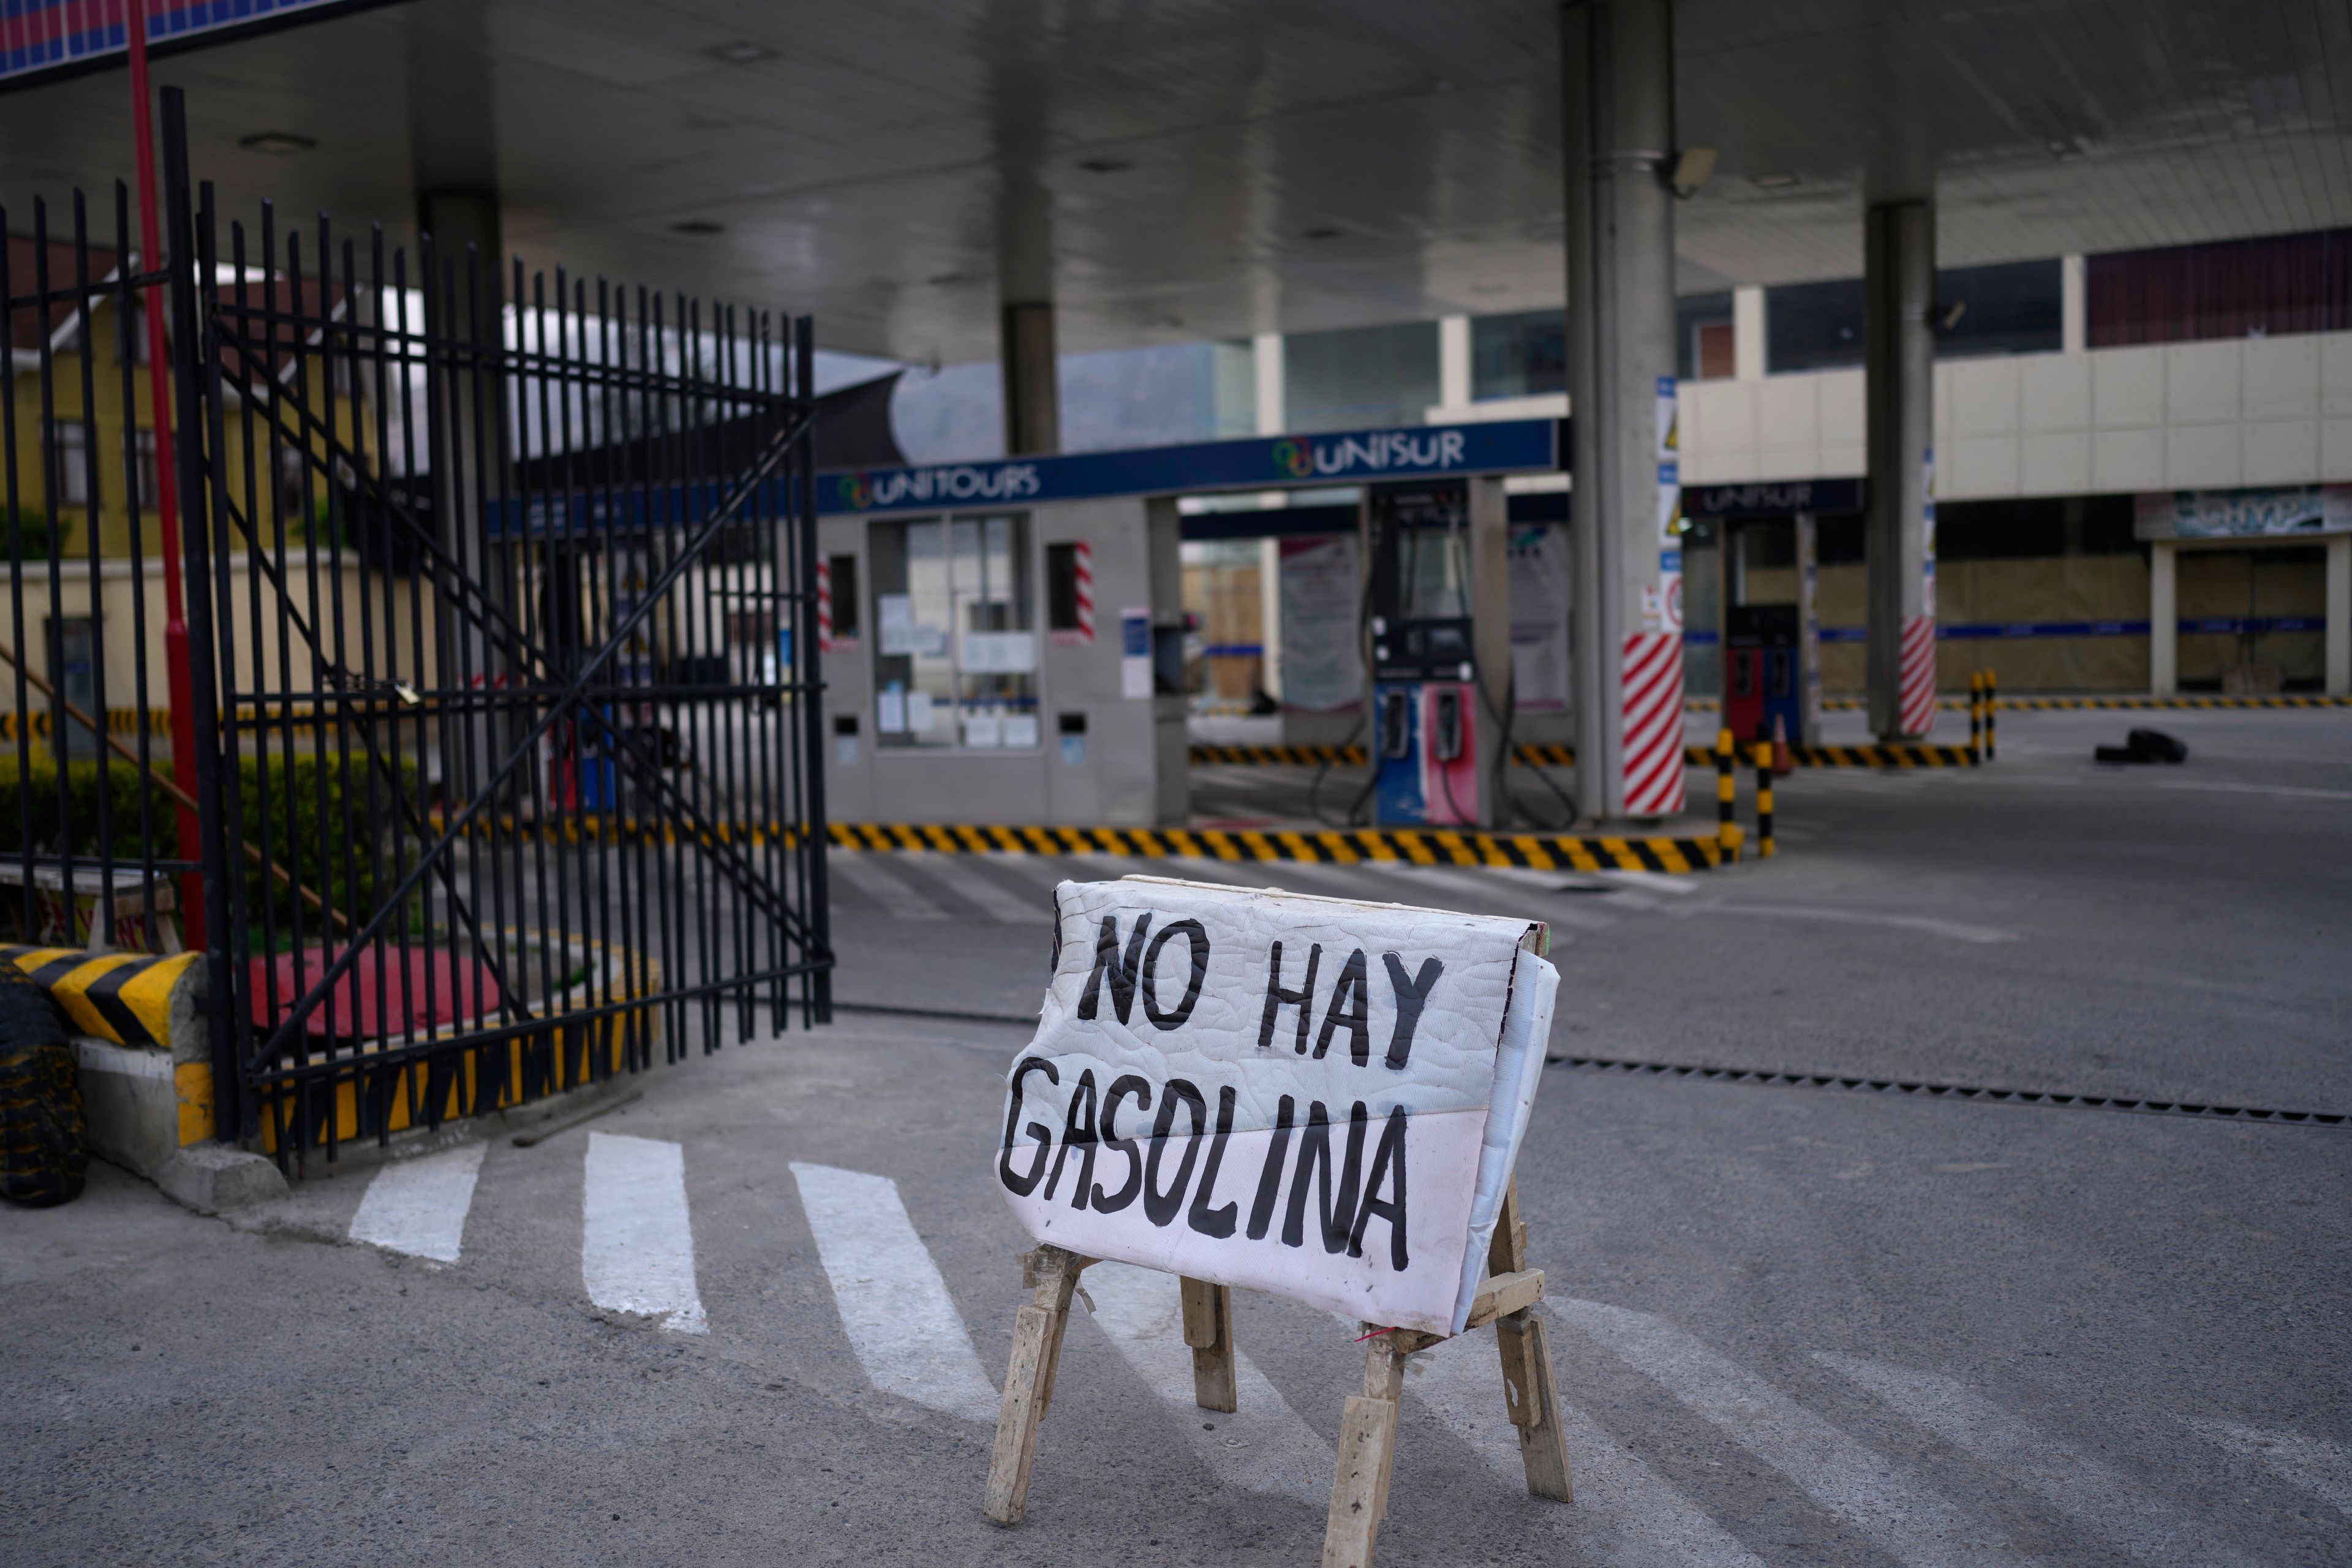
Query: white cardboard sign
{"x": 1317, "y": 1098}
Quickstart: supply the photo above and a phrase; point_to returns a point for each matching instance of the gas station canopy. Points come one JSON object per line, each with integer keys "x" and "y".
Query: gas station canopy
{"x": 1231, "y": 166}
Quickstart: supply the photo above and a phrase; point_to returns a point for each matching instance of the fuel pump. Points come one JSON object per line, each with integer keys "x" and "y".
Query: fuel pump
{"x": 1761, "y": 681}
{"x": 1425, "y": 669}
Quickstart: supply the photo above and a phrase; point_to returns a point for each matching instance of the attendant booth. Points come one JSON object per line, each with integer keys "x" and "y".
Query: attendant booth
{"x": 1005, "y": 642}
{"x": 1755, "y": 611}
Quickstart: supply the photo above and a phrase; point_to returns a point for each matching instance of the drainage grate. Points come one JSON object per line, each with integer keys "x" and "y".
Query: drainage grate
{"x": 1926, "y": 1090}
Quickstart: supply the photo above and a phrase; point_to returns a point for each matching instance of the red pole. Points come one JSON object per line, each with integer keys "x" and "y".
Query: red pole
{"x": 167, "y": 498}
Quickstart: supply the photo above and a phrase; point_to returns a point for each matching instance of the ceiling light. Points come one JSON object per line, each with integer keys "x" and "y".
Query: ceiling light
{"x": 1780, "y": 182}
{"x": 698, "y": 226}
{"x": 1104, "y": 165}
{"x": 277, "y": 142}
{"x": 742, "y": 52}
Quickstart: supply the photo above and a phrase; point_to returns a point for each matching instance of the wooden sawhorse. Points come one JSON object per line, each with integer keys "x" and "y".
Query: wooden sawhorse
{"x": 1507, "y": 1298}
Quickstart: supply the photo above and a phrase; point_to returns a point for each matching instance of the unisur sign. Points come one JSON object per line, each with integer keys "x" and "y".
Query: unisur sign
{"x": 1347, "y": 458}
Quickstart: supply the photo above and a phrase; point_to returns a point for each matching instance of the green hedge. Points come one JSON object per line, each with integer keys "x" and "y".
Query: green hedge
{"x": 301, "y": 836}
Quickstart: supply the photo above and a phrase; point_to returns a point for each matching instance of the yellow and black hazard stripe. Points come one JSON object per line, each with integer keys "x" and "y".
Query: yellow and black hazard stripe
{"x": 125, "y": 997}
{"x": 2298, "y": 699}
{"x": 1281, "y": 756}
{"x": 1883, "y": 757}
{"x": 1394, "y": 846}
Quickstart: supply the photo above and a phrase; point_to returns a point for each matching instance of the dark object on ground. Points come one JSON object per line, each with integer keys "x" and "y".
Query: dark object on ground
{"x": 1262, "y": 704}
{"x": 42, "y": 1161}
{"x": 2143, "y": 746}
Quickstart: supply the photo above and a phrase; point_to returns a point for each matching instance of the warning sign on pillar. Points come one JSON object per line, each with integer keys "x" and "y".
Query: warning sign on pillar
{"x": 1135, "y": 652}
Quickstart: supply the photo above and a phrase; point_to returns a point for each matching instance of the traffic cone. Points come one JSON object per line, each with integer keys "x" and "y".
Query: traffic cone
{"x": 1783, "y": 764}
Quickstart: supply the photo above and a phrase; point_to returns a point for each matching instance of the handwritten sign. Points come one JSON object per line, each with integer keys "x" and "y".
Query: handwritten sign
{"x": 1317, "y": 1098}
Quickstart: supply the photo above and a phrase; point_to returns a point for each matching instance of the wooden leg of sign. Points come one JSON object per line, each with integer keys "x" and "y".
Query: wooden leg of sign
{"x": 1029, "y": 1380}
{"x": 1359, "y": 1486}
{"x": 1529, "y": 1391}
{"x": 1533, "y": 1400}
{"x": 1209, "y": 1330}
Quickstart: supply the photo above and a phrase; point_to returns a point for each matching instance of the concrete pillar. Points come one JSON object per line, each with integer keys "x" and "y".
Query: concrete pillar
{"x": 2163, "y": 620}
{"x": 453, "y": 170}
{"x": 1898, "y": 299}
{"x": 1748, "y": 335}
{"x": 1617, "y": 137}
{"x": 1490, "y": 611}
{"x": 1453, "y": 362}
{"x": 2073, "y": 308}
{"x": 1809, "y": 628}
{"x": 2339, "y": 616}
{"x": 1268, "y": 381}
{"x": 1171, "y": 755}
{"x": 1033, "y": 398}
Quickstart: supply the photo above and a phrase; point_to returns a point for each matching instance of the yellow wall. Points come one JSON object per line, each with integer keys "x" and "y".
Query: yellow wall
{"x": 2038, "y": 589}
{"x": 248, "y": 430}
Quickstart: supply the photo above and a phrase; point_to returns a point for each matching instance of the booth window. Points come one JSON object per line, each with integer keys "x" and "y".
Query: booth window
{"x": 1061, "y": 587}
{"x": 955, "y": 644}
{"x": 841, "y": 573}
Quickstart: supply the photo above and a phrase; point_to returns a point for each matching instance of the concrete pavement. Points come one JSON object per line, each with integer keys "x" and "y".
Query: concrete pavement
{"x": 1791, "y": 1325}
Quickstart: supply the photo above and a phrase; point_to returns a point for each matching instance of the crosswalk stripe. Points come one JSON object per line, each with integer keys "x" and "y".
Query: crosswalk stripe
{"x": 1637, "y": 1518}
{"x": 2317, "y": 1465}
{"x": 995, "y": 901}
{"x": 1044, "y": 872}
{"x": 1843, "y": 1476}
{"x": 2095, "y": 1492}
{"x": 636, "y": 1238}
{"x": 885, "y": 887}
{"x": 418, "y": 1206}
{"x": 894, "y": 1308}
{"x": 1262, "y": 1448}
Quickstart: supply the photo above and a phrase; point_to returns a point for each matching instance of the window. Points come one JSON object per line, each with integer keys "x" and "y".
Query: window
{"x": 1813, "y": 326}
{"x": 142, "y": 445}
{"x": 955, "y": 648}
{"x": 1359, "y": 377}
{"x": 65, "y": 446}
{"x": 841, "y": 576}
{"x": 2235, "y": 289}
{"x": 73, "y": 671}
{"x": 2011, "y": 309}
{"x": 1524, "y": 356}
{"x": 1062, "y": 588}
{"x": 1704, "y": 340}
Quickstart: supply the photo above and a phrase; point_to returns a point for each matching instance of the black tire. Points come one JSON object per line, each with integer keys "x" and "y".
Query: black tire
{"x": 42, "y": 1161}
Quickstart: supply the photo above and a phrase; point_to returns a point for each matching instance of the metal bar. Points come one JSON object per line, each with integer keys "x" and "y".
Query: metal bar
{"x": 810, "y": 689}
{"x": 197, "y": 386}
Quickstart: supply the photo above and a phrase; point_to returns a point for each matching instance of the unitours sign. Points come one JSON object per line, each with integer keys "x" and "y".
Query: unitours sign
{"x": 1517, "y": 446}
{"x": 894, "y": 488}
{"x": 1312, "y": 1097}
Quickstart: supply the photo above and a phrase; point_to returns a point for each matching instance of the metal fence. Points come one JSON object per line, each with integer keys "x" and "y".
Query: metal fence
{"x": 501, "y": 698}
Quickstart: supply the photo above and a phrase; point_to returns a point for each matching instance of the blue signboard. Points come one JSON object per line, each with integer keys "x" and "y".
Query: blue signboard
{"x": 45, "y": 38}
{"x": 1776, "y": 498}
{"x": 1269, "y": 462}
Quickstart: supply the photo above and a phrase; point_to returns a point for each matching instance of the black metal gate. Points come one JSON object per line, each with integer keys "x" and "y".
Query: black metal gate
{"x": 501, "y": 597}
